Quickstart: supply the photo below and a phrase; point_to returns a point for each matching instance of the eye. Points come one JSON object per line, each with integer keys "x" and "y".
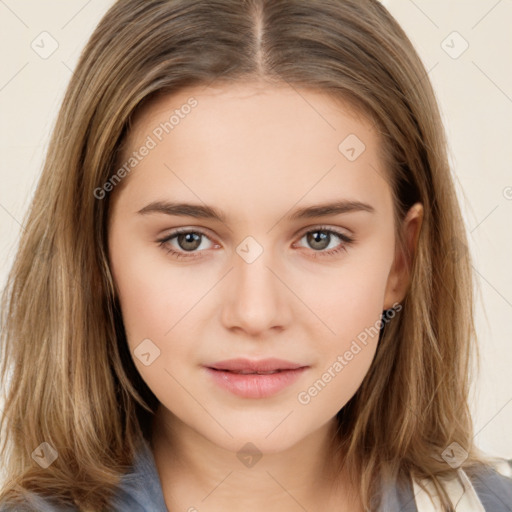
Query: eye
{"x": 187, "y": 243}
{"x": 184, "y": 243}
{"x": 325, "y": 241}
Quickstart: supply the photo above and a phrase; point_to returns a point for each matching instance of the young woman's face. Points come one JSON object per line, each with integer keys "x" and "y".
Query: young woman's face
{"x": 284, "y": 262}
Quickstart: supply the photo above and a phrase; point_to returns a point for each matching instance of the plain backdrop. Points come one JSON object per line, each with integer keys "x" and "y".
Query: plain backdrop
{"x": 466, "y": 47}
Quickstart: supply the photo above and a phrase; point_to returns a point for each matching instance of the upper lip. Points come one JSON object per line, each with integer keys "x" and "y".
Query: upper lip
{"x": 262, "y": 365}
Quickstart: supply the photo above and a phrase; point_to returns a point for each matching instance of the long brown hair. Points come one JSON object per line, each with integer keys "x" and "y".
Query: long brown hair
{"x": 67, "y": 374}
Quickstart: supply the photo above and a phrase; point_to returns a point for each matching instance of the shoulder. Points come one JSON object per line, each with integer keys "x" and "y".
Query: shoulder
{"x": 139, "y": 491}
{"x": 493, "y": 486}
{"x": 479, "y": 488}
{"x": 33, "y": 502}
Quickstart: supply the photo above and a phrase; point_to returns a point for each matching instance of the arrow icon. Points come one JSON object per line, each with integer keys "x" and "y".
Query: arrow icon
{"x": 249, "y": 455}
{"x": 45, "y": 454}
{"x": 454, "y": 45}
{"x": 249, "y": 254}
{"x": 44, "y": 44}
{"x": 454, "y": 455}
{"x": 146, "y": 352}
{"x": 351, "y": 147}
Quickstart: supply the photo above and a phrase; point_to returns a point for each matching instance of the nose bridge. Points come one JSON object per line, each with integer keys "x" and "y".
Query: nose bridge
{"x": 256, "y": 299}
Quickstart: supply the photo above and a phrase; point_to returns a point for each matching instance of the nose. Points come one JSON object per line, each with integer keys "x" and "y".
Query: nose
{"x": 255, "y": 300}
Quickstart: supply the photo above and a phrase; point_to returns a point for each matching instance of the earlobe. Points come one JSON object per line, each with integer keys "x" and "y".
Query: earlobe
{"x": 399, "y": 276}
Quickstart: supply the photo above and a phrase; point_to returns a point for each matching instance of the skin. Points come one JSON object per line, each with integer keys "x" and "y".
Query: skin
{"x": 258, "y": 153}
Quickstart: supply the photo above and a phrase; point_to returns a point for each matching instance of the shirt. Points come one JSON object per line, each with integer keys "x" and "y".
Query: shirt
{"x": 140, "y": 490}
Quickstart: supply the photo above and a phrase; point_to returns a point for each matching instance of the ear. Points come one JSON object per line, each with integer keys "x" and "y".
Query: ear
{"x": 399, "y": 275}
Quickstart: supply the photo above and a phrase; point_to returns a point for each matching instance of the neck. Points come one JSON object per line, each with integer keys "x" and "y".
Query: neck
{"x": 197, "y": 474}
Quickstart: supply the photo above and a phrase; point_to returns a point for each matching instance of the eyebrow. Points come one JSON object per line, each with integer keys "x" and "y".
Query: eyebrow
{"x": 209, "y": 212}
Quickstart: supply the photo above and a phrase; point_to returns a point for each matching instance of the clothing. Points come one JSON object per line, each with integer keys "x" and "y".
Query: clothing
{"x": 141, "y": 491}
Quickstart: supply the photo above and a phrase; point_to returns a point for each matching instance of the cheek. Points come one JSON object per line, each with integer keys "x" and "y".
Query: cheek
{"x": 157, "y": 304}
{"x": 154, "y": 295}
{"x": 352, "y": 310}
{"x": 350, "y": 307}
{"x": 329, "y": 390}
{"x": 350, "y": 298}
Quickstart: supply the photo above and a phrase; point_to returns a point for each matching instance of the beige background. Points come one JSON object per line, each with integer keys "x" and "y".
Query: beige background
{"x": 474, "y": 91}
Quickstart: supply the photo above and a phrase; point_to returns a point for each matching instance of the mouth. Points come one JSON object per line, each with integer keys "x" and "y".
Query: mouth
{"x": 249, "y": 372}
{"x": 263, "y": 366}
{"x": 255, "y": 379}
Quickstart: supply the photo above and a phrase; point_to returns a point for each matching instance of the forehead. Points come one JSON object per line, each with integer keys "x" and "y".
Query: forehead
{"x": 277, "y": 142}
{"x": 275, "y": 104}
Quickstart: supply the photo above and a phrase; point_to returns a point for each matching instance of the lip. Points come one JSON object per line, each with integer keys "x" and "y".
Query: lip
{"x": 251, "y": 365}
{"x": 255, "y": 385}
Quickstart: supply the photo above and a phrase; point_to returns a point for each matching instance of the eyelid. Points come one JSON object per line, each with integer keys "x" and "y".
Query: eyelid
{"x": 346, "y": 239}
{"x": 300, "y": 234}
{"x": 322, "y": 227}
{"x": 184, "y": 230}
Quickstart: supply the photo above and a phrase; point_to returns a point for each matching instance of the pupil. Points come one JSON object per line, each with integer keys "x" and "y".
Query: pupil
{"x": 319, "y": 239}
{"x": 189, "y": 241}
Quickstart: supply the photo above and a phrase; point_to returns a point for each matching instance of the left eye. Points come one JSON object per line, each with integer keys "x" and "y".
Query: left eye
{"x": 322, "y": 239}
{"x": 188, "y": 241}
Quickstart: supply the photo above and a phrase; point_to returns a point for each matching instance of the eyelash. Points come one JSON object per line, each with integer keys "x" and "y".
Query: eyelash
{"x": 345, "y": 242}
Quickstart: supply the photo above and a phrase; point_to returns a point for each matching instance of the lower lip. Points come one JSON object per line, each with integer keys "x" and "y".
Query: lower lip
{"x": 255, "y": 385}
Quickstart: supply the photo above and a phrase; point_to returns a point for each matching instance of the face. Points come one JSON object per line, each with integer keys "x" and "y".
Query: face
{"x": 253, "y": 249}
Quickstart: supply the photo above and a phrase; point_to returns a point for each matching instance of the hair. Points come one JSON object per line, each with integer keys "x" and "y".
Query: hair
{"x": 67, "y": 373}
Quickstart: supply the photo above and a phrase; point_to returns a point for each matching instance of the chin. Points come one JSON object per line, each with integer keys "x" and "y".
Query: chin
{"x": 266, "y": 440}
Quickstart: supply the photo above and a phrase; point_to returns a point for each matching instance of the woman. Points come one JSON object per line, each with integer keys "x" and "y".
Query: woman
{"x": 237, "y": 287}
